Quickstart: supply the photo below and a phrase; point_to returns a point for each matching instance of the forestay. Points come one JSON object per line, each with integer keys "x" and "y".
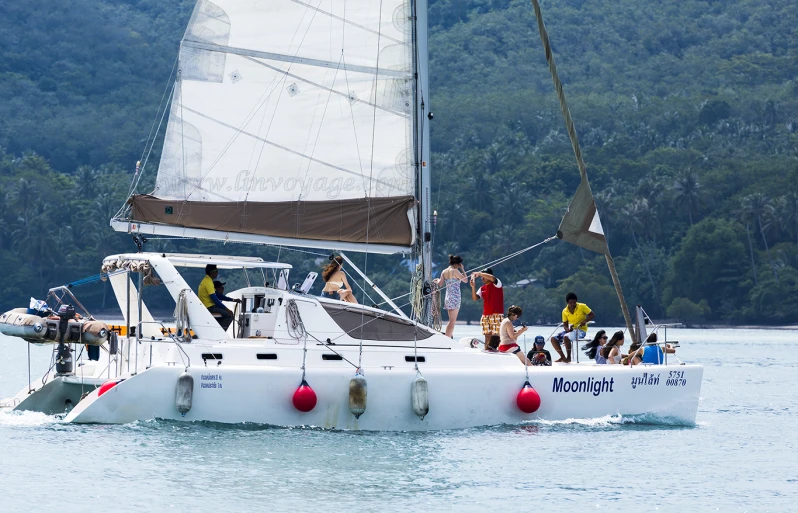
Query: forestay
{"x": 292, "y": 119}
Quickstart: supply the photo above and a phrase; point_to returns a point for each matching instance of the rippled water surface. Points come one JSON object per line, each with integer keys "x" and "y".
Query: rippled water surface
{"x": 741, "y": 456}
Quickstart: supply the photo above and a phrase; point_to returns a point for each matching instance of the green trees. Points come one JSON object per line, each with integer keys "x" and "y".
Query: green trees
{"x": 688, "y": 120}
{"x": 687, "y": 192}
{"x": 688, "y": 312}
{"x": 710, "y": 265}
{"x": 758, "y": 208}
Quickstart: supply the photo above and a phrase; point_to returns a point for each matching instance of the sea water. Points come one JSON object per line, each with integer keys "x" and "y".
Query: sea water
{"x": 742, "y": 454}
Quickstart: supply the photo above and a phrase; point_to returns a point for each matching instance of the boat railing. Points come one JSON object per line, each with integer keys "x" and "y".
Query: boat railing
{"x": 171, "y": 338}
{"x": 665, "y": 342}
{"x": 60, "y": 293}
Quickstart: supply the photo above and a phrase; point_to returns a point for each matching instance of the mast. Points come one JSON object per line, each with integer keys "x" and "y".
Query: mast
{"x": 581, "y": 224}
{"x": 421, "y": 139}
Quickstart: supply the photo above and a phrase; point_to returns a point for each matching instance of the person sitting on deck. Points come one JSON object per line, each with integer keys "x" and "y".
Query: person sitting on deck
{"x": 612, "y": 349}
{"x": 654, "y": 354}
{"x": 575, "y": 317}
{"x": 509, "y": 336}
{"x": 492, "y": 296}
{"x": 207, "y": 296}
{"x": 537, "y": 355}
{"x": 593, "y": 348}
{"x": 635, "y": 356}
{"x": 219, "y": 287}
{"x": 336, "y": 285}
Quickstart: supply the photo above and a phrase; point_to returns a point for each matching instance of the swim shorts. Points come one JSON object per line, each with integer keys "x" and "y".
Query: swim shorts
{"x": 490, "y": 324}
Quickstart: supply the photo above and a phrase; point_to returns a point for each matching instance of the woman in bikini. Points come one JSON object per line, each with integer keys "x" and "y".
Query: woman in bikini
{"x": 451, "y": 277}
{"x": 509, "y": 336}
{"x": 336, "y": 285}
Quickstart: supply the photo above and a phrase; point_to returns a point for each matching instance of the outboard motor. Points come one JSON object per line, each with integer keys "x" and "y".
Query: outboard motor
{"x": 63, "y": 356}
{"x": 65, "y": 314}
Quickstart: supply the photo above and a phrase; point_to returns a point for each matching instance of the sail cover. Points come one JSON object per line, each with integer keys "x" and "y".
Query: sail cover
{"x": 581, "y": 224}
{"x": 291, "y": 118}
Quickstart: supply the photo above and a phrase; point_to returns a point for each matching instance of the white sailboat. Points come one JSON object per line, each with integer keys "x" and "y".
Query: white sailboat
{"x": 304, "y": 124}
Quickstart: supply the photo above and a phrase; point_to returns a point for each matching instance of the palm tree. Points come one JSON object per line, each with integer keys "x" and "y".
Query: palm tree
{"x": 787, "y": 211}
{"x": 605, "y": 200}
{"x": 494, "y": 158}
{"x": 743, "y": 216}
{"x": 22, "y": 196}
{"x": 760, "y": 210}
{"x": 482, "y": 185}
{"x": 649, "y": 221}
{"x": 107, "y": 204}
{"x": 454, "y": 219}
{"x": 35, "y": 245}
{"x": 629, "y": 219}
{"x": 86, "y": 182}
{"x": 687, "y": 191}
{"x": 4, "y": 211}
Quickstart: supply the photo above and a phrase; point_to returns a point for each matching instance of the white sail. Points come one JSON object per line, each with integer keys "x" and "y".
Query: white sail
{"x": 292, "y": 118}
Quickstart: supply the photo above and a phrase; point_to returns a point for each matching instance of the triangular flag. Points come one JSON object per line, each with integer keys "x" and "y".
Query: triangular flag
{"x": 581, "y": 224}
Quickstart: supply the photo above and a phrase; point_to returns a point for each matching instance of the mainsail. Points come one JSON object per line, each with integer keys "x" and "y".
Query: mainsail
{"x": 292, "y": 120}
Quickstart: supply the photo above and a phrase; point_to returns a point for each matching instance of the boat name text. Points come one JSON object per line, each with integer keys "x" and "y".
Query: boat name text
{"x": 646, "y": 379}
{"x": 594, "y": 386}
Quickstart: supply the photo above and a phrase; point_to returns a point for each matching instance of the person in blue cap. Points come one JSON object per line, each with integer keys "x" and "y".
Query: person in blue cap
{"x": 537, "y": 355}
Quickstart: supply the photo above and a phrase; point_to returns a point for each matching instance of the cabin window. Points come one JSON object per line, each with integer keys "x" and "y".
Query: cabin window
{"x": 212, "y": 356}
{"x": 267, "y": 356}
{"x": 412, "y": 359}
{"x": 332, "y": 357}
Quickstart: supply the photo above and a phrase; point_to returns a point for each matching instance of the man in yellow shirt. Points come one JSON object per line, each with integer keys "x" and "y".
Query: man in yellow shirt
{"x": 207, "y": 295}
{"x": 575, "y": 317}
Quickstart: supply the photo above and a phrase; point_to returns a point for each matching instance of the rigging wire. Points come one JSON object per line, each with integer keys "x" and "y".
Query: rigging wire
{"x": 498, "y": 261}
{"x": 140, "y": 171}
{"x": 381, "y": 315}
{"x": 151, "y": 137}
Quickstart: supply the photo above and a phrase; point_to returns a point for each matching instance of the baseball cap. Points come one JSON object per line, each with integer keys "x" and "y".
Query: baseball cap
{"x": 540, "y": 340}
{"x": 217, "y": 284}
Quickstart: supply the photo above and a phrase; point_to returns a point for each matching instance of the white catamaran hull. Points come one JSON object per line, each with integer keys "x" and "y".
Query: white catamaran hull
{"x": 458, "y": 398}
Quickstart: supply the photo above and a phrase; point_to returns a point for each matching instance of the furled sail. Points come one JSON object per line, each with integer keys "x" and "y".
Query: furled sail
{"x": 581, "y": 224}
{"x": 291, "y": 119}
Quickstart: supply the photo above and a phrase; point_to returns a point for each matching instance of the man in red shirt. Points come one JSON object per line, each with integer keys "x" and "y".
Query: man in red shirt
{"x": 492, "y": 296}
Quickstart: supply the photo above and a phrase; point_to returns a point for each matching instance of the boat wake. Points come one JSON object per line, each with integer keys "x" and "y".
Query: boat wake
{"x": 10, "y": 418}
{"x": 643, "y": 421}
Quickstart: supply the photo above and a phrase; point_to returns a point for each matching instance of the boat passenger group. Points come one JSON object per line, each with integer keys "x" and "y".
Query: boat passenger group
{"x": 498, "y": 326}
{"x": 501, "y": 334}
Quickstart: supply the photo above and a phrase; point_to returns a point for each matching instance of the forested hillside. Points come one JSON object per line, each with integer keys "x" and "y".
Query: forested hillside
{"x": 687, "y": 113}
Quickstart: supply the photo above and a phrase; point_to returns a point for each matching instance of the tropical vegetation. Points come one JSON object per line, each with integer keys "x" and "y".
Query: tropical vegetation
{"x": 687, "y": 113}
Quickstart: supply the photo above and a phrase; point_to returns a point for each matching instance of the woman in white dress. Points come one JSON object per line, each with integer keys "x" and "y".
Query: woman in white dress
{"x": 451, "y": 277}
